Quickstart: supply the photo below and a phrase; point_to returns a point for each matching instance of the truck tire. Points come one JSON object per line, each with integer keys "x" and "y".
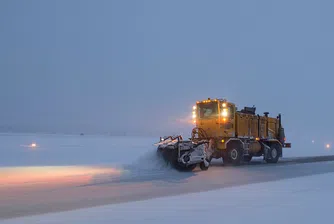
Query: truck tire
{"x": 234, "y": 154}
{"x": 274, "y": 153}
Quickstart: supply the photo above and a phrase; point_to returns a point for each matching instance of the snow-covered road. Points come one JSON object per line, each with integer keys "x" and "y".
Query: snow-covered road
{"x": 110, "y": 187}
{"x": 298, "y": 200}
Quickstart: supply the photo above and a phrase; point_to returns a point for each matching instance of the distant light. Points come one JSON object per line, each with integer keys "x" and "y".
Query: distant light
{"x": 33, "y": 145}
{"x": 194, "y": 107}
{"x": 328, "y": 146}
{"x": 312, "y": 141}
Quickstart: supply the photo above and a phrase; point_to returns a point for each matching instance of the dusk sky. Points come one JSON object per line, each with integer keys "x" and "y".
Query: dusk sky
{"x": 137, "y": 67}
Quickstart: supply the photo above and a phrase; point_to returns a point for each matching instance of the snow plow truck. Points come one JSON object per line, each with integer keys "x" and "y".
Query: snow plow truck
{"x": 221, "y": 131}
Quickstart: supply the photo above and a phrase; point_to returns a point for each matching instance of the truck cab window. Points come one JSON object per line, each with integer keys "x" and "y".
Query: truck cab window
{"x": 207, "y": 110}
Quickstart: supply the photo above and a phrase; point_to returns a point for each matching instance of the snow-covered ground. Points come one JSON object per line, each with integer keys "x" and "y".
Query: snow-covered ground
{"x": 300, "y": 200}
{"x": 64, "y": 150}
{"x": 56, "y": 156}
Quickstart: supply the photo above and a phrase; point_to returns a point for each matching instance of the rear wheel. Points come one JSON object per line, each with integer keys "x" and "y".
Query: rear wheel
{"x": 274, "y": 153}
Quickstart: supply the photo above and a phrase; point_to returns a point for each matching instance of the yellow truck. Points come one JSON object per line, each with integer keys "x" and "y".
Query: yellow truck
{"x": 221, "y": 131}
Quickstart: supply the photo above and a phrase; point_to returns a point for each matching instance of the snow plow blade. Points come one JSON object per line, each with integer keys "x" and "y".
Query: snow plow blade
{"x": 184, "y": 155}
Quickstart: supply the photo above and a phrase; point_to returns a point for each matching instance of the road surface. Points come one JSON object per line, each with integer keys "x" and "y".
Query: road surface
{"x": 66, "y": 188}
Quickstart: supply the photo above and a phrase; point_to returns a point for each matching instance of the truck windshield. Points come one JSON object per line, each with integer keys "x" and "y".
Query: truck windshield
{"x": 207, "y": 110}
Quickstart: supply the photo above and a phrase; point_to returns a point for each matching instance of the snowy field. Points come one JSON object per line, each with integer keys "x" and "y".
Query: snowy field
{"x": 67, "y": 150}
{"x": 55, "y": 156}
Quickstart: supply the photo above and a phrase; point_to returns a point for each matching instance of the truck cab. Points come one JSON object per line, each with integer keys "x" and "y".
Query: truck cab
{"x": 215, "y": 117}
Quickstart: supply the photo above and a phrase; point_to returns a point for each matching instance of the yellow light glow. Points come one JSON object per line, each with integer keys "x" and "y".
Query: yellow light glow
{"x": 224, "y": 113}
{"x": 194, "y": 121}
{"x": 194, "y": 107}
{"x": 257, "y": 139}
{"x": 33, "y": 145}
{"x": 194, "y": 115}
{"x": 224, "y": 104}
{"x": 52, "y": 175}
{"x": 223, "y": 140}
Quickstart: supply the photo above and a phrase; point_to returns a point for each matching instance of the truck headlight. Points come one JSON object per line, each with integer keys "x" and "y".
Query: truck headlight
{"x": 224, "y": 113}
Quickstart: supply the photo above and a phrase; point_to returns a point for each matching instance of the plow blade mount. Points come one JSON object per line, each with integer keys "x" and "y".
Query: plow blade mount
{"x": 183, "y": 155}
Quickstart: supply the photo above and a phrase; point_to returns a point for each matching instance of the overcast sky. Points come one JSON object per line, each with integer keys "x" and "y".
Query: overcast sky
{"x": 139, "y": 66}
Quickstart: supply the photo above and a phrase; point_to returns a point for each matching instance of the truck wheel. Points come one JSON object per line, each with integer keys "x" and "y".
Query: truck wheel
{"x": 274, "y": 153}
{"x": 234, "y": 154}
